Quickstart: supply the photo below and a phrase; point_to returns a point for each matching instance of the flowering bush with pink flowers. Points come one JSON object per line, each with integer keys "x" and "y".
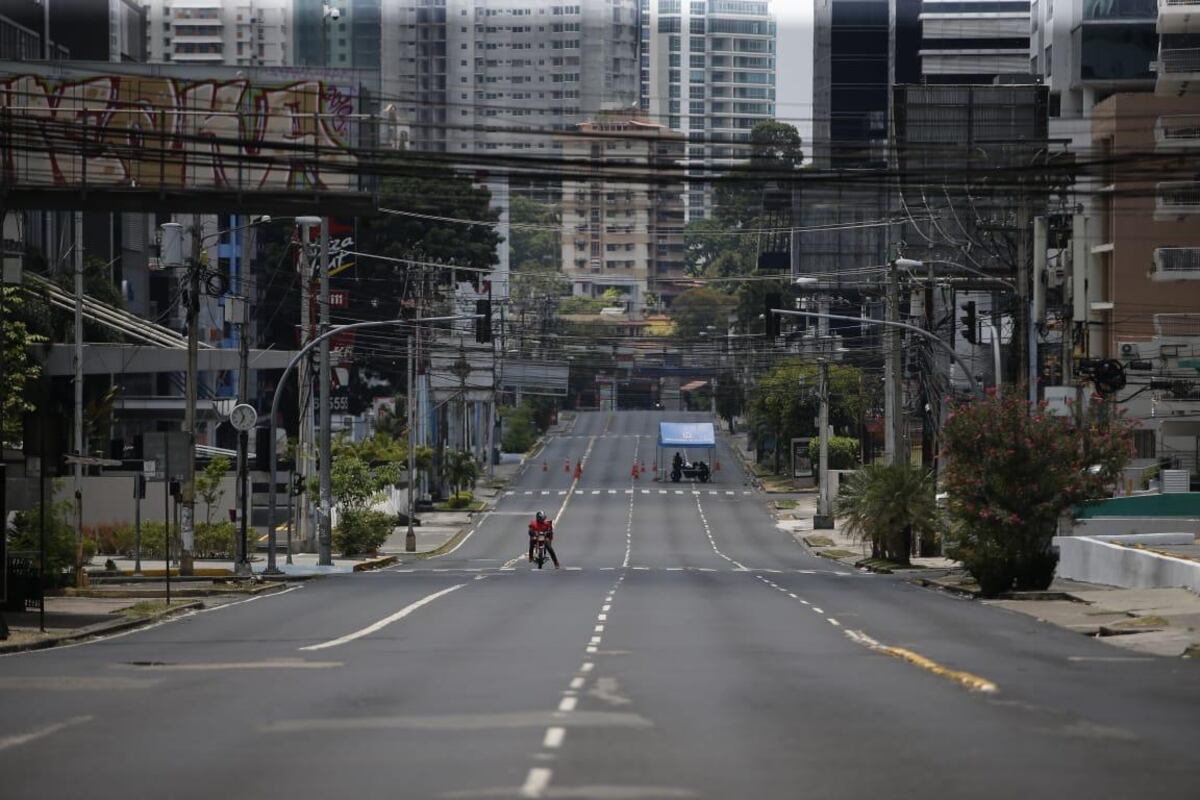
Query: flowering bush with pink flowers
{"x": 1012, "y": 471}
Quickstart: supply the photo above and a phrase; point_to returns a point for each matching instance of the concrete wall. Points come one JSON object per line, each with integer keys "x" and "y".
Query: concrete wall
{"x": 1084, "y": 558}
{"x": 108, "y": 500}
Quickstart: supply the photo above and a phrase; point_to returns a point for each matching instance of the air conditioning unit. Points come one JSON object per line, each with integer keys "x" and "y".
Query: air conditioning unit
{"x": 1128, "y": 350}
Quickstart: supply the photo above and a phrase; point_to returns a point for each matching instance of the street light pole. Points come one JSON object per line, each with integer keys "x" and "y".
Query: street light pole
{"x": 410, "y": 536}
{"x": 824, "y": 517}
{"x": 272, "y": 568}
{"x": 324, "y": 533}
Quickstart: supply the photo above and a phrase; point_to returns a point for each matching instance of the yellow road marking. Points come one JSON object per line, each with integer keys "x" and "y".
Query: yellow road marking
{"x": 972, "y": 682}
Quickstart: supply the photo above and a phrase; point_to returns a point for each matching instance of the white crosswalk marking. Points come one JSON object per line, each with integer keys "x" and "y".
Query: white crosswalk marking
{"x": 528, "y": 492}
{"x": 509, "y": 494}
{"x": 595, "y": 491}
{"x": 629, "y": 491}
{"x": 645, "y": 491}
{"x": 662, "y": 491}
{"x": 545, "y": 491}
{"x": 728, "y": 492}
{"x": 713, "y": 491}
{"x": 679, "y": 491}
{"x": 612, "y": 491}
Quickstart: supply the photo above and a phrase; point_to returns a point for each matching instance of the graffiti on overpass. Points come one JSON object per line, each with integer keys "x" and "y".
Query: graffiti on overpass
{"x": 164, "y": 133}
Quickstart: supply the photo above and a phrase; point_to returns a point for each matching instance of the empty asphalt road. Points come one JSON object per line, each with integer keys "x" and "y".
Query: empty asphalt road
{"x": 687, "y": 649}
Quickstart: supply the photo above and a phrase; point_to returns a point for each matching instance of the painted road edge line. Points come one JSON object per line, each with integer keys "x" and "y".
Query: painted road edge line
{"x": 383, "y": 623}
{"x": 25, "y": 738}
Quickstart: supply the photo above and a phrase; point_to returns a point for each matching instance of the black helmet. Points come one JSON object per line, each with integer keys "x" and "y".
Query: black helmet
{"x": 541, "y": 516}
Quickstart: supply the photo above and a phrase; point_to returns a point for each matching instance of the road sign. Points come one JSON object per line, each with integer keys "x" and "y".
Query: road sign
{"x": 149, "y": 468}
{"x": 339, "y": 298}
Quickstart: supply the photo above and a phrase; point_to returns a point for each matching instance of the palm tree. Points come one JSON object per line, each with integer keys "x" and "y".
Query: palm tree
{"x": 889, "y": 505}
{"x": 461, "y": 469}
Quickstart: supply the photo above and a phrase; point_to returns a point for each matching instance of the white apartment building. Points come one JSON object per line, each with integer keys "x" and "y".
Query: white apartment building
{"x": 251, "y": 33}
{"x": 506, "y": 75}
{"x": 708, "y": 70}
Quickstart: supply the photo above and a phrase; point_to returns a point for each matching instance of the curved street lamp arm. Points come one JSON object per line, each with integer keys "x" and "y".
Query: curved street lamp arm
{"x": 913, "y": 328}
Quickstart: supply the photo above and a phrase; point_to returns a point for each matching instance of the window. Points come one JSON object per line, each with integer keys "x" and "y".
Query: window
{"x": 674, "y": 59}
{"x": 696, "y": 43}
{"x": 673, "y": 44}
{"x": 696, "y": 62}
{"x": 1049, "y": 60}
{"x": 669, "y": 25}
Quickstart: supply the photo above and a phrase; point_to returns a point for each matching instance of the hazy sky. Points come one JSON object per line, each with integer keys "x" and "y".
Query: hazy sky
{"x": 793, "y": 65}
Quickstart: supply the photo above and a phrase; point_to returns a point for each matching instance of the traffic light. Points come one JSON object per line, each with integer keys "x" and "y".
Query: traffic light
{"x": 970, "y": 324}
{"x": 483, "y": 323}
{"x": 770, "y": 303}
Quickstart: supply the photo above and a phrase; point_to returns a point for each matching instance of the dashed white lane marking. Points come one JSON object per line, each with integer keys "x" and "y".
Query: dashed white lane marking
{"x": 629, "y": 491}
{"x": 662, "y": 491}
{"x": 509, "y": 493}
{"x": 833, "y": 622}
{"x": 605, "y": 608}
{"x": 587, "y": 666}
{"x": 612, "y": 491}
{"x": 728, "y": 492}
{"x": 383, "y": 623}
{"x": 819, "y": 611}
{"x": 39, "y": 733}
{"x": 598, "y": 629}
{"x": 646, "y": 491}
{"x": 561, "y": 492}
{"x": 595, "y": 491}
{"x": 577, "y": 683}
{"x": 568, "y": 703}
{"x": 679, "y": 491}
{"x": 528, "y": 491}
{"x": 554, "y": 738}
{"x": 536, "y": 782}
{"x": 545, "y": 492}
{"x": 602, "y": 617}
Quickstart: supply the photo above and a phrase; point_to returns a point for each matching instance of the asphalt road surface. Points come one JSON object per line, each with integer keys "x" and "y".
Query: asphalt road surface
{"x": 687, "y": 649}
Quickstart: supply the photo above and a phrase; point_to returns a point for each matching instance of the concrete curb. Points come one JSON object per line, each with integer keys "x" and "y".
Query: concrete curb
{"x": 375, "y": 563}
{"x": 152, "y": 594}
{"x": 99, "y": 629}
{"x": 449, "y": 544}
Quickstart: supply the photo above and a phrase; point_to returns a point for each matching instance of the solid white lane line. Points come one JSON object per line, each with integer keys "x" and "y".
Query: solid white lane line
{"x": 25, "y": 738}
{"x": 536, "y": 782}
{"x": 554, "y": 738}
{"x": 568, "y": 703}
{"x": 383, "y": 623}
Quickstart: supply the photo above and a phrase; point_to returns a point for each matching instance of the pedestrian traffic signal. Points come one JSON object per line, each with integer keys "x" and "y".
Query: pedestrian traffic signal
{"x": 970, "y": 323}
{"x": 483, "y": 322}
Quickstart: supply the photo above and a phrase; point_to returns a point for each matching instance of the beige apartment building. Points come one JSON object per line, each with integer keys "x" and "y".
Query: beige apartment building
{"x": 623, "y": 234}
{"x": 1144, "y": 287}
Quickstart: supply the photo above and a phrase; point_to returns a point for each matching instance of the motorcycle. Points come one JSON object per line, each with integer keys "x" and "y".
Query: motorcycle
{"x": 539, "y": 548}
{"x": 697, "y": 470}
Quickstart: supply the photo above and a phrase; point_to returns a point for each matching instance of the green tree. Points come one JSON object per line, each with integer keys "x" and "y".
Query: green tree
{"x": 208, "y": 484}
{"x": 1013, "y": 470}
{"x": 535, "y": 251}
{"x": 784, "y": 402}
{"x": 890, "y": 506}
{"x": 696, "y": 309}
{"x": 843, "y": 451}
{"x": 18, "y": 369}
{"x": 461, "y": 470}
{"x": 520, "y": 432}
{"x": 731, "y": 398}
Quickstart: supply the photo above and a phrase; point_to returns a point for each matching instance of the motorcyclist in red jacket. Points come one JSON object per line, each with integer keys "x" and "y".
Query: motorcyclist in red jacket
{"x": 541, "y": 523}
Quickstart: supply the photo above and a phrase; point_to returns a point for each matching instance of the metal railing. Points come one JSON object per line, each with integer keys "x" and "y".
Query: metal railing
{"x": 1178, "y": 129}
{"x": 1177, "y": 259}
{"x": 1183, "y": 196}
{"x": 1178, "y": 61}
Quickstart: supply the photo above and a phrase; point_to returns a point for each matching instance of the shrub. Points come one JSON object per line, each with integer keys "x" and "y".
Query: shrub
{"x": 1013, "y": 470}
{"x": 843, "y": 452}
{"x": 460, "y": 500}
{"x": 25, "y": 535}
{"x": 362, "y": 531}
{"x": 215, "y": 540}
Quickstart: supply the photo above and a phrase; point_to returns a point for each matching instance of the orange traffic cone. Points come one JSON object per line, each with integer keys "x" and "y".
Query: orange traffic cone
{"x": 635, "y": 472}
{"x": 578, "y": 470}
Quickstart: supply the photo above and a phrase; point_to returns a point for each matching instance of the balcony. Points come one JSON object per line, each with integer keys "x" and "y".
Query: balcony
{"x": 1176, "y": 199}
{"x": 1177, "y": 131}
{"x": 1178, "y": 71}
{"x": 1176, "y": 264}
{"x": 1179, "y": 16}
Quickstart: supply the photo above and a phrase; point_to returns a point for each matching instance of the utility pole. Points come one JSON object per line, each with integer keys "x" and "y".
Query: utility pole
{"x": 410, "y": 536}
{"x": 1037, "y": 301}
{"x": 80, "y": 447}
{"x": 1021, "y": 336}
{"x": 304, "y": 381}
{"x": 243, "y": 469}
{"x": 324, "y": 533}
{"x": 893, "y": 437}
{"x": 824, "y": 517}
{"x": 187, "y": 529}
